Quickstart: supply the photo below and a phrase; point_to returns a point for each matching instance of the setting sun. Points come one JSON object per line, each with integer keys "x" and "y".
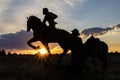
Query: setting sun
{"x": 43, "y": 51}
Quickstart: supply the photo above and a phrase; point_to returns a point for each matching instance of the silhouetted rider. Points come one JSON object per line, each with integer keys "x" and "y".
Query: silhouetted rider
{"x": 77, "y": 53}
{"x": 76, "y": 47}
{"x": 49, "y": 17}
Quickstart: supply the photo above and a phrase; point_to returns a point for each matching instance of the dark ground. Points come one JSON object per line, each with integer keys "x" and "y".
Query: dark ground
{"x": 32, "y": 68}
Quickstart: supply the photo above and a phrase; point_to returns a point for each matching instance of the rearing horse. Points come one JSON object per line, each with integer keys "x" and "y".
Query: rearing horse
{"x": 47, "y": 35}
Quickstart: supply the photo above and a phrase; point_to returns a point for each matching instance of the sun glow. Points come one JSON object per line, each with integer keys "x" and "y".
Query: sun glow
{"x": 43, "y": 51}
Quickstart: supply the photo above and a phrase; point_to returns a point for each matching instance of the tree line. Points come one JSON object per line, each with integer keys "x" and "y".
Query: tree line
{"x": 4, "y": 53}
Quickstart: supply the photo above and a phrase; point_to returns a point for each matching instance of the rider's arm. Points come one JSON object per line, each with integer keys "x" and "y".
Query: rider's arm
{"x": 44, "y": 20}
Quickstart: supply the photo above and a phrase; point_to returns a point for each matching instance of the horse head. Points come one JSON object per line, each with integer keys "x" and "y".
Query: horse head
{"x": 32, "y": 21}
{"x": 90, "y": 40}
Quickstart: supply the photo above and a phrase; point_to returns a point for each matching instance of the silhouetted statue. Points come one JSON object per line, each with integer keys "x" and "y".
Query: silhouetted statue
{"x": 50, "y": 17}
{"x": 77, "y": 54}
{"x": 47, "y": 35}
{"x": 93, "y": 48}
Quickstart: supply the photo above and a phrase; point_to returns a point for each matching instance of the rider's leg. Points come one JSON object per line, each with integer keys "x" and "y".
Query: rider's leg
{"x": 61, "y": 56}
{"x": 52, "y": 24}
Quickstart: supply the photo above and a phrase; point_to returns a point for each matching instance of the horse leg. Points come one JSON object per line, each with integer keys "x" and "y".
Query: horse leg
{"x": 94, "y": 63}
{"x": 104, "y": 64}
{"x": 61, "y": 56}
{"x": 48, "y": 49}
{"x": 103, "y": 60}
{"x": 32, "y": 40}
{"x": 47, "y": 62}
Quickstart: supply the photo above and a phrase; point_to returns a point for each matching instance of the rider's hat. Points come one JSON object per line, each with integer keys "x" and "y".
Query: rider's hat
{"x": 75, "y": 31}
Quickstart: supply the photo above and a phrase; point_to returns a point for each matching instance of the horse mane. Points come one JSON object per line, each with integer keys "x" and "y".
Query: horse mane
{"x": 34, "y": 21}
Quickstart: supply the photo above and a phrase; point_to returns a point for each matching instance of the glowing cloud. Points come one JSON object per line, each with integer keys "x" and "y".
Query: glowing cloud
{"x": 99, "y": 31}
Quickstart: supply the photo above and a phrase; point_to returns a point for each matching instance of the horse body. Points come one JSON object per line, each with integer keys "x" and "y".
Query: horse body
{"x": 95, "y": 48}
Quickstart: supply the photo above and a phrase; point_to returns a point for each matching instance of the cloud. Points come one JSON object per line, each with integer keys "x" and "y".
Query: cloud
{"x": 14, "y": 12}
{"x": 3, "y": 4}
{"x": 116, "y": 26}
{"x": 18, "y": 41}
{"x": 15, "y": 40}
{"x": 98, "y": 30}
{"x": 73, "y": 2}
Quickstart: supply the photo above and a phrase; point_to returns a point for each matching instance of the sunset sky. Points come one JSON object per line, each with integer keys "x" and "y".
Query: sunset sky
{"x": 80, "y": 14}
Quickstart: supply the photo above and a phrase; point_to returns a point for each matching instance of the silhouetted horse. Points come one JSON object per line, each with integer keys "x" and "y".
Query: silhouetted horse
{"x": 93, "y": 47}
{"x": 46, "y": 35}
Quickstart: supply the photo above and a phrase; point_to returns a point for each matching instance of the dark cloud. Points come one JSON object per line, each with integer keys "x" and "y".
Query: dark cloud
{"x": 98, "y": 30}
{"x": 116, "y": 26}
{"x": 15, "y": 40}
{"x": 18, "y": 40}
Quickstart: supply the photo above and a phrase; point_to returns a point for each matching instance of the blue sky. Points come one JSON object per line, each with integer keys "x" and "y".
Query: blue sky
{"x": 80, "y": 14}
{"x": 100, "y": 13}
